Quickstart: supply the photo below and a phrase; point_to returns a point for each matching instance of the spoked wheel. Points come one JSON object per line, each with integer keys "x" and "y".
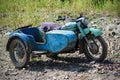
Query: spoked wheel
{"x": 18, "y": 53}
{"x": 97, "y": 50}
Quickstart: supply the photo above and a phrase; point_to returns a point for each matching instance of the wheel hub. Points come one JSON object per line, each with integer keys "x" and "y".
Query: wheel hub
{"x": 19, "y": 52}
{"x": 94, "y": 48}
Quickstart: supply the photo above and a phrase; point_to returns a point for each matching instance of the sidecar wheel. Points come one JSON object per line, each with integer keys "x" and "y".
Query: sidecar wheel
{"x": 98, "y": 52}
{"x": 18, "y": 53}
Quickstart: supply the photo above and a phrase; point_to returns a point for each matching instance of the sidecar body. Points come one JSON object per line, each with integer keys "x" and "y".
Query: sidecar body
{"x": 35, "y": 39}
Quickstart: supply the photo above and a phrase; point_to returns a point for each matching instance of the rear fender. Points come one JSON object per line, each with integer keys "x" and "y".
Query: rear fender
{"x": 95, "y": 32}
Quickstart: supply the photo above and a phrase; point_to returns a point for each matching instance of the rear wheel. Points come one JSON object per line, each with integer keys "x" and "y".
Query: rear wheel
{"x": 18, "y": 53}
{"x": 98, "y": 50}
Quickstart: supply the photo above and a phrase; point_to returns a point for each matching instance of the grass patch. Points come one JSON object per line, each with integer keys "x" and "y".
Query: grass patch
{"x": 16, "y": 13}
{"x": 117, "y": 54}
{"x": 36, "y": 59}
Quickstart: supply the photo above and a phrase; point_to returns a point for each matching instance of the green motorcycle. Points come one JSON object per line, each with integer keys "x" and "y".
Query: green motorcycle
{"x": 89, "y": 40}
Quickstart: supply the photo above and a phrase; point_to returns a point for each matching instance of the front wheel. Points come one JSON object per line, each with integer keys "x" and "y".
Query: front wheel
{"x": 97, "y": 50}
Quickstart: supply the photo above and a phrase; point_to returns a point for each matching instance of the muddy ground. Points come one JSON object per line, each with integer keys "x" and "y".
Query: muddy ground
{"x": 69, "y": 66}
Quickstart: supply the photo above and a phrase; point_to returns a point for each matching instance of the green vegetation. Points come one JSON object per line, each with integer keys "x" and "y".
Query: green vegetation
{"x": 36, "y": 59}
{"x": 116, "y": 54}
{"x": 23, "y": 12}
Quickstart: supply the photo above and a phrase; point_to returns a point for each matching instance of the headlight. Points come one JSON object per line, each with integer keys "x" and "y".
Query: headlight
{"x": 85, "y": 21}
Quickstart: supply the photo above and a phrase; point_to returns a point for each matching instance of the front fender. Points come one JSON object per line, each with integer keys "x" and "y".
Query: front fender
{"x": 21, "y": 36}
{"x": 95, "y": 32}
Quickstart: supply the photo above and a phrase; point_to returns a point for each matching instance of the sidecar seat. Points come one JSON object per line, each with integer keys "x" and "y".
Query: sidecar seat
{"x": 36, "y": 32}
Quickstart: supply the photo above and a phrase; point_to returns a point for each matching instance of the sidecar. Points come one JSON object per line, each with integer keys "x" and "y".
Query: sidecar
{"x": 23, "y": 42}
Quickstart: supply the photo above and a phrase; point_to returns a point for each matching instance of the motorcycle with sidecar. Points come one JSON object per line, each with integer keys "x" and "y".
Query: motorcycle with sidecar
{"x": 73, "y": 36}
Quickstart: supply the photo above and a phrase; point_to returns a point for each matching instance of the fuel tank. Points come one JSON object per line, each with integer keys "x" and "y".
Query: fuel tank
{"x": 71, "y": 26}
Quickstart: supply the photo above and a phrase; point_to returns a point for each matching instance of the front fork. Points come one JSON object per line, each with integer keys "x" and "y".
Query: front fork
{"x": 84, "y": 35}
{"x": 89, "y": 45}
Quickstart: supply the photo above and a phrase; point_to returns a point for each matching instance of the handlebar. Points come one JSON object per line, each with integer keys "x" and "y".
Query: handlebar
{"x": 60, "y": 18}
